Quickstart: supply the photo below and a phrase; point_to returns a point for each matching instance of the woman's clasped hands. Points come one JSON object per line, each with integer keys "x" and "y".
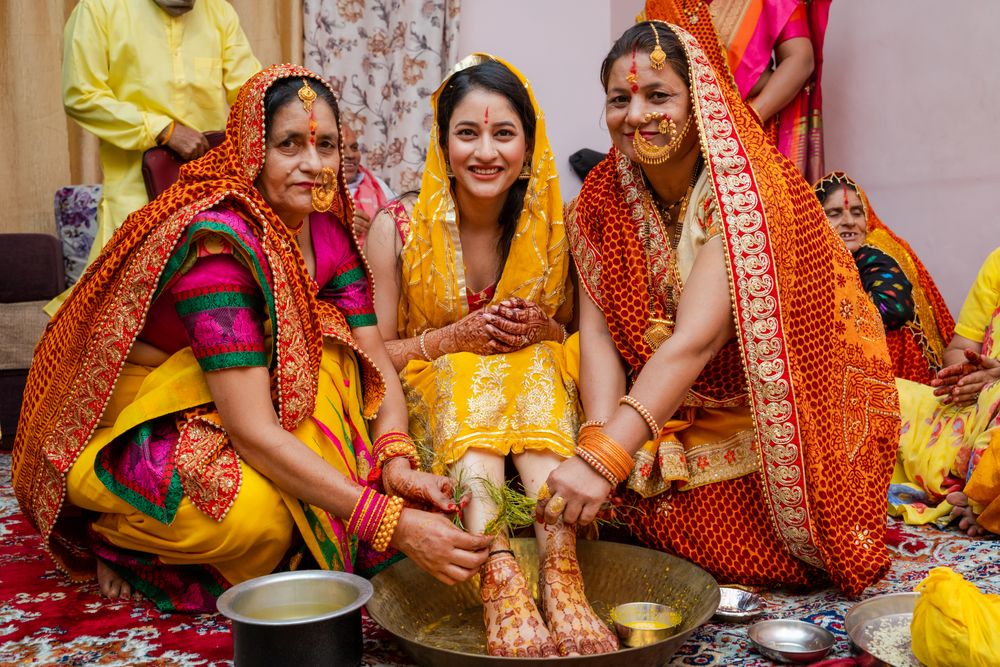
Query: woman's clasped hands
{"x": 515, "y": 324}
{"x": 960, "y": 383}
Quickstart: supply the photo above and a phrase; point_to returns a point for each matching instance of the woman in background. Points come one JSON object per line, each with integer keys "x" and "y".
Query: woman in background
{"x": 917, "y": 321}
{"x": 948, "y": 464}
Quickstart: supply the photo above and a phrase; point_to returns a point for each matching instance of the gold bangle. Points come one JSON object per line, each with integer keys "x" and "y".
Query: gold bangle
{"x": 565, "y": 334}
{"x": 593, "y": 422}
{"x": 646, "y": 415}
{"x": 423, "y": 345}
{"x": 170, "y": 133}
{"x": 387, "y": 527}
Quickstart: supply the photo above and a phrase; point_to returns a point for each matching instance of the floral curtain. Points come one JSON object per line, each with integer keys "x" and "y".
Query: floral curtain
{"x": 384, "y": 58}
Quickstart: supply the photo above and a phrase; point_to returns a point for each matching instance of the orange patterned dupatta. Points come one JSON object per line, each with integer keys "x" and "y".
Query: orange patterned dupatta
{"x": 812, "y": 353}
{"x": 917, "y": 349}
{"x": 80, "y": 356}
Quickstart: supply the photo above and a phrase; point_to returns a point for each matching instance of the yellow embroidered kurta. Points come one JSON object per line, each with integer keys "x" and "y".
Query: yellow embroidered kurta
{"x": 505, "y": 402}
{"x": 943, "y": 446}
{"x": 129, "y": 68}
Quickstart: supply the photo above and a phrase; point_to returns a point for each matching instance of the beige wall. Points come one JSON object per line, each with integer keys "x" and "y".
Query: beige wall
{"x": 910, "y": 94}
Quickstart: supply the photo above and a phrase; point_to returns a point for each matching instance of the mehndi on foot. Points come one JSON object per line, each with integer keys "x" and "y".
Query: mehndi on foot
{"x": 574, "y": 625}
{"x": 514, "y": 628}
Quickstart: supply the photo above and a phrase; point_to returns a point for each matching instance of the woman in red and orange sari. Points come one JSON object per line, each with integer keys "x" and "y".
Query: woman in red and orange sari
{"x": 726, "y": 344}
{"x": 773, "y": 50}
{"x": 195, "y": 413}
{"x": 917, "y": 321}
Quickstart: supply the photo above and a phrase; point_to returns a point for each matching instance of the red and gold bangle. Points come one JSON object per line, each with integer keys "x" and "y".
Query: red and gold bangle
{"x": 646, "y": 415}
{"x": 368, "y": 514}
{"x": 387, "y": 527}
{"x": 393, "y": 444}
{"x": 608, "y": 452}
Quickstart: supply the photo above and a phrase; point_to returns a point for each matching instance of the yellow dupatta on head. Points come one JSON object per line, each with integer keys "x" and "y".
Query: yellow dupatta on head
{"x": 433, "y": 268}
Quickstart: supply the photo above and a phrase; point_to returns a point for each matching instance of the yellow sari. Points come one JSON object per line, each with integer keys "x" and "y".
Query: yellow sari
{"x": 507, "y": 402}
{"x": 943, "y": 448}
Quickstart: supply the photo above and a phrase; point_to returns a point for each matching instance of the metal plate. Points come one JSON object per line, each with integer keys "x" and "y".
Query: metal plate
{"x": 883, "y": 615}
{"x": 442, "y": 625}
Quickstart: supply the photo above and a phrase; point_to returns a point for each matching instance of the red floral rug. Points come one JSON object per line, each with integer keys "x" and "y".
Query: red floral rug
{"x": 46, "y": 620}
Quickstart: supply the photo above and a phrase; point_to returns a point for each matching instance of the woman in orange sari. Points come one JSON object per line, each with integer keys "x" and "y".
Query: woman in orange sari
{"x": 918, "y": 334}
{"x": 195, "y": 413}
{"x": 727, "y": 347}
{"x": 773, "y": 51}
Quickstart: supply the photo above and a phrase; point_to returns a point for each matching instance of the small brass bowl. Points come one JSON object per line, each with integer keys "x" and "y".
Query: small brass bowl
{"x": 786, "y": 640}
{"x": 644, "y": 623}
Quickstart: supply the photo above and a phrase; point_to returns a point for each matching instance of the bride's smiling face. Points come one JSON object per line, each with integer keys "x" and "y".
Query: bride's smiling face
{"x": 487, "y": 145}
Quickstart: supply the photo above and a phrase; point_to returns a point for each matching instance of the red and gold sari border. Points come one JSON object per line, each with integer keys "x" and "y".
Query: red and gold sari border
{"x": 757, "y": 302}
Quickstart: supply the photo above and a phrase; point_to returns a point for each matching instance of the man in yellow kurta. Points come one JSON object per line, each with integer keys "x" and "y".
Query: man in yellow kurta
{"x": 137, "y": 73}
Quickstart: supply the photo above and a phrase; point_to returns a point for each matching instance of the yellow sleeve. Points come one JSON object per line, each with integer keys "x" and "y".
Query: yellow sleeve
{"x": 982, "y": 301}
{"x": 238, "y": 60}
{"x": 87, "y": 97}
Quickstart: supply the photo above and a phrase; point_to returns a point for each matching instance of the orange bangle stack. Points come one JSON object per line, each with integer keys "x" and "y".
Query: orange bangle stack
{"x": 604, "y": 455}
{"x": 392, "y": 444}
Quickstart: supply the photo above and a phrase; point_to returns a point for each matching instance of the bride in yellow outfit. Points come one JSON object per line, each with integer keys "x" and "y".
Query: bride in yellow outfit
{"x": 472, "y": 300}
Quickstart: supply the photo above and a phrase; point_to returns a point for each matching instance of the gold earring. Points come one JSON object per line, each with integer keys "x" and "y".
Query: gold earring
{"x": 525, "y": 172}
{"x": 447, "y": 170}
{"x": 650, "y": 153}
{"x": 323, "y": 191}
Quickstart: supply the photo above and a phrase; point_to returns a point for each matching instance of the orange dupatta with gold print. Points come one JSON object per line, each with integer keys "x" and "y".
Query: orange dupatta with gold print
{"x": 917, "y": 349}
{"x": 812, "y": 352}
{"x": 80, "y": 356}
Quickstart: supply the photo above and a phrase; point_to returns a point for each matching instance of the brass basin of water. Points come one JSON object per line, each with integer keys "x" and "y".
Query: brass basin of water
{"x": 442, "y": 625}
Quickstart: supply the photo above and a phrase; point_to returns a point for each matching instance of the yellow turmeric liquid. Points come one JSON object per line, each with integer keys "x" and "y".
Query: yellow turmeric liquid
{"x": 647, "y": 625}
{"x": 290, "y": 612}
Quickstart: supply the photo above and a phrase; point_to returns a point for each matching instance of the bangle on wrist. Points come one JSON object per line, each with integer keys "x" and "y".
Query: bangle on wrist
{"x": 166, "y": 133}
{"x": 393, "y": 444}
{"x": 602, "y": 453}
{"x": 423, "y": 344}
{"x": 387, "y": 526}
{"x": 368, "y": 514}
{"x": 646, "y": 415}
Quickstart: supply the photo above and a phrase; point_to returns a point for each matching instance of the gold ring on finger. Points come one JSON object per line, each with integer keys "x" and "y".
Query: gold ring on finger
{"x": 556, "y": 505}
{"x": 543, "y": 492}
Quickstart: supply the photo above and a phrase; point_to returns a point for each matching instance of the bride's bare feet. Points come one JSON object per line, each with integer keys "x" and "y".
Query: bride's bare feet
{"x": 575, "y": 627}
{"x": 514, "y": 628}
{"x": 111, "y": 585}
{"x": 963, "y": 512}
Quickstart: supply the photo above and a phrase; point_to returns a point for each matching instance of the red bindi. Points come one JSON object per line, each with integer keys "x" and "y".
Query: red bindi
{"x": 847, "y": 206}
{"x": 486, "y": 116}
{"x": 312, "y": 129}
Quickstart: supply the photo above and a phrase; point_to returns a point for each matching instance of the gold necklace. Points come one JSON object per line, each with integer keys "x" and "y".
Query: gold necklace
{"x": 661, "y": 328}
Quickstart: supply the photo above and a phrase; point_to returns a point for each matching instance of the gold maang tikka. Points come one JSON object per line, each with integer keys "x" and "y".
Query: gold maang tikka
{"x": 657, "y": 57}
{"x": 324, "y": 190}
{"x": 307, "y": 95}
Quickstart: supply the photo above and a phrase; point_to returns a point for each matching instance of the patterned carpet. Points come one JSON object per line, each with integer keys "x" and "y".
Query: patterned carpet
{"x": 45, "y": 620}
